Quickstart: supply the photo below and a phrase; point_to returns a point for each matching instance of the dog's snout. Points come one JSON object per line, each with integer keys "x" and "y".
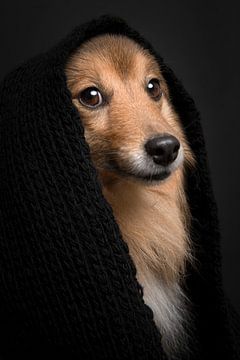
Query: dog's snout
{"x": 163, "y": 149}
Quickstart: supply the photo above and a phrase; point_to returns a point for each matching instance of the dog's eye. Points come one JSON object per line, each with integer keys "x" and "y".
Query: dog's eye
{"x": 154, "y": 89}
{"x": 90, "y": 97}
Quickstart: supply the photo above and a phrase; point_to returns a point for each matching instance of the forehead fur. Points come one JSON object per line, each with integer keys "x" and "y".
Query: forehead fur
{"x": 126, "y": 57}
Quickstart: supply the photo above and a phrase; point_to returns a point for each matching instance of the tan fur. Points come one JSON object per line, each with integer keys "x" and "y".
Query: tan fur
{"x": 153, "y": 219}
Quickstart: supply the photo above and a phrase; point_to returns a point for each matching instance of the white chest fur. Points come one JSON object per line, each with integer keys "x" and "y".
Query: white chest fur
{"x": 152, "y": 223}
{"x": 171, "y": 316}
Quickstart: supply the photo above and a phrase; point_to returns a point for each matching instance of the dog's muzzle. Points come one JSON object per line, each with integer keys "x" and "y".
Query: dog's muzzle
{"x": 159, "y": 157}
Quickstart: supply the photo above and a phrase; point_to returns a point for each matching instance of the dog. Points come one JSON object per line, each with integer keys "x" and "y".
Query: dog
{"x": 140, "y": 151}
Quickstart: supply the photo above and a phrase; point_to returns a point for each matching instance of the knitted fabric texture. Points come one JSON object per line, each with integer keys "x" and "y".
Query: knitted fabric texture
{"x": 68, "y": 286}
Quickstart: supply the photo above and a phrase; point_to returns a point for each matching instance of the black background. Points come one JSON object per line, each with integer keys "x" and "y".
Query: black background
{"x": 199, "y": 40}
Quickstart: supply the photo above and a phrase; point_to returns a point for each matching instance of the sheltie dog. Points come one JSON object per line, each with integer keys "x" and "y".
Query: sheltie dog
{"x": 139, "y": 149}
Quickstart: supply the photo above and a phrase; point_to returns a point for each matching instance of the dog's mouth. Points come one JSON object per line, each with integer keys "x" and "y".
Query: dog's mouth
{"x": 138, "y": 169}
{"x": 147, "y": 178}
{"x": 154, "y": 177}
{"x": 150, "y": 177}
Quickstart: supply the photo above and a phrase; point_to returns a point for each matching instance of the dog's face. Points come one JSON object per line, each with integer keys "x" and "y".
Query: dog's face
{"x": 124, "y": 104}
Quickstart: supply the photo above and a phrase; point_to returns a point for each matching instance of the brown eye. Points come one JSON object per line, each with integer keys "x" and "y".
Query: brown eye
{"x": 154, "y": 89}
{"x": 90, "y": 97}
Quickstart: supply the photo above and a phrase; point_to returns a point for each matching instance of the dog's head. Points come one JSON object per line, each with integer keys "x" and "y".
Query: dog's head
{"x": 124, "y": 103}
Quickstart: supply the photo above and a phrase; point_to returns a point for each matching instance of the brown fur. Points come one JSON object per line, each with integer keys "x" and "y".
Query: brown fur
{"x": 144, "y": 213}
{"x": 153, "y": 219}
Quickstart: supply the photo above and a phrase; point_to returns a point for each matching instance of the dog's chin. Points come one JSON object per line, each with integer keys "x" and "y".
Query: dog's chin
{"x": 116, "y": 173}
{"x": 113, "y": 173}
{"x": 111, "y": 177}
{"x": 150, "y": 178}
{"x": 153, "y": 178}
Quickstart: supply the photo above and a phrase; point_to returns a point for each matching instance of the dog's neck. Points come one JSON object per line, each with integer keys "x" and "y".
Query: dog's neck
{"x": 152, "y": 220}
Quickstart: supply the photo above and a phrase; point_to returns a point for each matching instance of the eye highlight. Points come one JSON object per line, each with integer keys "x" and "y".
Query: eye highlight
{"x": 90, "y": 97}
{"x": 154, "y": 89}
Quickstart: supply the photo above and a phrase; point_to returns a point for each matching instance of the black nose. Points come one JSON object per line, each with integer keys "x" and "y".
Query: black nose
{"x": 163, "y": 149}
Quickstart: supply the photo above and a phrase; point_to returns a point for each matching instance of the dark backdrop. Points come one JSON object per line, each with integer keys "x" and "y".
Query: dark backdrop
{"x": 199, "y": 40}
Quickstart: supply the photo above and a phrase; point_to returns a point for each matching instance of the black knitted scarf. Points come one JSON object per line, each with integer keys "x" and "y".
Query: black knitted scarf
{"x": 68, "y": 286}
